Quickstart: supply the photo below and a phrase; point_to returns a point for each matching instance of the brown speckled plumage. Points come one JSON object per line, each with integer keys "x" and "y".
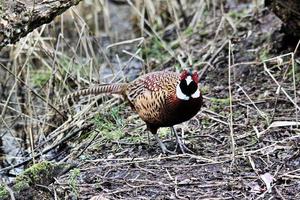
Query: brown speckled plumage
{"x": 152, "y": 96}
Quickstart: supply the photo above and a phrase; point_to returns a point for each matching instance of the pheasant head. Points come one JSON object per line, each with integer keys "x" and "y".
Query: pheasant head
{"x": 187, "y": 87}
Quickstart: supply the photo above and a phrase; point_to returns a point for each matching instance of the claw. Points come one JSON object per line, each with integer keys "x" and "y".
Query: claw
{"x": 163, "y": 147}
{"x": 180, "y": 143}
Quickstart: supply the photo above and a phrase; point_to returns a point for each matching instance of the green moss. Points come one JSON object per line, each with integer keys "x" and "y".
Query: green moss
{"x": 225, "y": 101}
{"x": 3, "y": 192}
{"x": 297, "y": 73}
{"x": 154, "y": 49}
{"x": 115, "y": 113}
{"x": 164, "y": 132}
{"x": 219, "y": 104}
{"x": 69, "y": 65}
{"x": 38, "y": 173}
{"x": 188, "y": 31}
{"x": 22, "y": 184}
{"x": 205, "y": 122}
{"x": 111, "y": 125}
{"x": 40, "y": 77}
{"x": 73, "y": 183}
{"x": 237, "y": 15}
{"x": 136, "y": 138}
{"x": 204, "y": 89}
{"x": 114, "y": 135}
{"x": 264, "y": 54}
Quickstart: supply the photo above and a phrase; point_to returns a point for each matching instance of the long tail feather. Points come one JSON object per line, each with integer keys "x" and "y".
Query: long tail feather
{"x": 115, "y": 88}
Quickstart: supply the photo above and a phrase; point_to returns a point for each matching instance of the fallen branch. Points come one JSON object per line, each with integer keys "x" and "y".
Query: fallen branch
{"x": 18, "y": 18}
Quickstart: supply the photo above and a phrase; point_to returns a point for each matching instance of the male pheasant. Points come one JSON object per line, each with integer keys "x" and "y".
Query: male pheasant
{"x": 161, "y": 99}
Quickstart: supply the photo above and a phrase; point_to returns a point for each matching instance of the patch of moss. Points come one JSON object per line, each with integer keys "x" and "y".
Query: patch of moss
{"x": 115, "y": 113}
{"x": 225, "y": 101}
{"x": 297, "y": 73}
{"x": 110, "y": 125}
{"x": 154, "y": 49}
{"x": 70, "y": 66}
{"x": 40, "y": 77}
{"x": 188, "y": 31}
{"x": 218, "y": 104}
{"x": 136, "y": 138}
{"x": 73, "y": 183}
{"x": 114, "y": 135}
{"x": 264, "y": 54}
{"x": 37, "y": 174}
{"x": 3, "y": 192}
{"x": 237, "y": 15}
{"x": 205, "y": 122}
{"x": 163, "y": 132}
{"x": 204, "y": 89}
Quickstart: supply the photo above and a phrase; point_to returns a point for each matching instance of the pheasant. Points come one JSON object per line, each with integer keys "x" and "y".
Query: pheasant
{"x": 161, "y": 99}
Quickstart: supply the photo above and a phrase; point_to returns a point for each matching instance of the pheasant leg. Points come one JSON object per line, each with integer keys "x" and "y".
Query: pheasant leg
{"x": 163, "y": 147}
{"x": 180, "y": 143}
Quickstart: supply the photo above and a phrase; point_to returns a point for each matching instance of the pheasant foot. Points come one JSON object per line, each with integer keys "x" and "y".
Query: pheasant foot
{"x": 163, "y": 147}
{"x": 180, "y": 143}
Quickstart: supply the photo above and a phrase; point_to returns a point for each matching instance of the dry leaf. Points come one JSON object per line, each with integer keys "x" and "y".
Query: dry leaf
{"x": 267, "y": 179}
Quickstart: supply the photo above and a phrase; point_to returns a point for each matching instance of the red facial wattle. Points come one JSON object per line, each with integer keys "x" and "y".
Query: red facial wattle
{"x": 195, "y": 77}
{"x": 183, "y": 75}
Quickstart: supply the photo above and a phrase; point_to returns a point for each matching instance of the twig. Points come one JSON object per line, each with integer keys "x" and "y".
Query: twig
{"x": 140, "y": 40}
{"x": 230, "y": 103}
{"x": 294, "y": 85}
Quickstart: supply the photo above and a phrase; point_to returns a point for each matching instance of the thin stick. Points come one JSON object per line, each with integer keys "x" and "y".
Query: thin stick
{"x": 294, "y": 85}
{"x": 297, "y": 46}
{"x": 230, "y": 102}
{"x": 140, "y": 40}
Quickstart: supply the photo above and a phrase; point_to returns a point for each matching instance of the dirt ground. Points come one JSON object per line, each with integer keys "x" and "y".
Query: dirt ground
{"x": 245, "y": 140}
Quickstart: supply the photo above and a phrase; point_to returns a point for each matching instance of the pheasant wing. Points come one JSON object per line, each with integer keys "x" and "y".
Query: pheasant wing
{"x": 149, "y": 94}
